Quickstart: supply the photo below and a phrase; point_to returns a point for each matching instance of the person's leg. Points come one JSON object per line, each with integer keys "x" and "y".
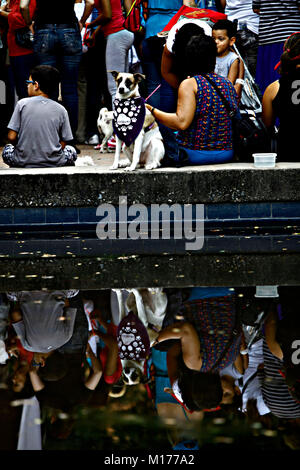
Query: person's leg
{"x": 82, "y": 101}
{"x": 207, "y": 157}
{"x": 8, "y": 155}
{"x": 117, "y": 47}
{"x": 70, "y": 52}
{"x": 21, "y": 66}
{"x": 70, "y": 154}
{"x": 152, "y": 71}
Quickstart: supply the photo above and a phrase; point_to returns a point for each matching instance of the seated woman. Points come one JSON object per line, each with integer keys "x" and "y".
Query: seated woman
{"x": 204, "y": 124}
{"x": 206, "y": 343}
{"x": 281, "y": 100}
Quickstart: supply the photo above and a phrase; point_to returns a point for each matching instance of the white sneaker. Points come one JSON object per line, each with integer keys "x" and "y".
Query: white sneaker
{"x": 94, "y": 140}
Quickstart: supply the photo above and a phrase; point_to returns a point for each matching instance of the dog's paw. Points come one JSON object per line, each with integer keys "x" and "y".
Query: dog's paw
{"x": 130, "y": 168}
{"x": 151, "y": 166}
{"x": 113, "y": 167}
{"x": 124, "y": 163}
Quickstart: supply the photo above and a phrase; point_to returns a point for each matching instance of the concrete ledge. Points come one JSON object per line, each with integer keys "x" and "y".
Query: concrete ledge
{"x": 88, "y": 186}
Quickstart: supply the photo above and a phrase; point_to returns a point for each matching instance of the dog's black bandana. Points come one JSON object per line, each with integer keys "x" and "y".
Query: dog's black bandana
{"x": 129, "y": 116}
{"x": 133, "y": 339}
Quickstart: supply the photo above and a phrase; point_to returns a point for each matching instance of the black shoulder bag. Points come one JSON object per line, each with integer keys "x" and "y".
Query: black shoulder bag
{"x": 249, "y": 132}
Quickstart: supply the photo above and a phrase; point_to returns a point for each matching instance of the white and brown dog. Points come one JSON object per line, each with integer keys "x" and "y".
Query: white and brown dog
{"x": 150, "y": 307}
{"x": 135, "y": 126}
{"x": 105, "y": 127}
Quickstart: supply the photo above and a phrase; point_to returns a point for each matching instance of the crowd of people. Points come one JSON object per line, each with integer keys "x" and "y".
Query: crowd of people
{"x": 194, "y": 74}
{"x": 218, "y": 350}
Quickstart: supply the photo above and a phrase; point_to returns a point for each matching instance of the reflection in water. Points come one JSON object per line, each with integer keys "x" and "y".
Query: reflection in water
{"x": 150, "y": 369}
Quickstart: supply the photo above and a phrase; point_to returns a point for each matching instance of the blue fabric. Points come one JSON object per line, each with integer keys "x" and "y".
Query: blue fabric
{"x": 62, "y": 48}
{"x": 159, "y": 360}
{"x": 206, "y": 157}
{"x": 160, "y": 13}
{"x": 183, "y": 445}
{"x": 208, "y": 292}
{"x": 165, "y": 98}
{"x": 267, "y": 57}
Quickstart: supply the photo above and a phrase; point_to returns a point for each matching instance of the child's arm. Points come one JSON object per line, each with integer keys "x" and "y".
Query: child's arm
{"x": 239, "y": 86}
{"x": 234, "y": 71}
{"x": 93, "y": 380}
{"x": 12, "y": 137}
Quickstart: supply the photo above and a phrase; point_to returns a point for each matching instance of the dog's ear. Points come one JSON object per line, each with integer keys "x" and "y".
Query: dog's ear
{"x": 138, "y": 77}
{"x": 114, "y": 73}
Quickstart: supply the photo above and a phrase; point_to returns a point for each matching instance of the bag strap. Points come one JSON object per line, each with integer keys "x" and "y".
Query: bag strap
{"x": 249, "y": 381}
{"x": 230, "y": 111}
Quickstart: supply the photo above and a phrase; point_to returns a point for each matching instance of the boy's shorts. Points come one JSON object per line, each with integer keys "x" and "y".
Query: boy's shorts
{"x": 8, "y": 156}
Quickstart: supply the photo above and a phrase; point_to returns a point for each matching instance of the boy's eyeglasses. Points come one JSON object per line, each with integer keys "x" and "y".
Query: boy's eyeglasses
{"x": 29, "y": 81}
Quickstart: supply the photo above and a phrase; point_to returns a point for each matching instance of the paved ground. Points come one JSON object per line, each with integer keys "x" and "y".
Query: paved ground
{"x": 100, "y": 159}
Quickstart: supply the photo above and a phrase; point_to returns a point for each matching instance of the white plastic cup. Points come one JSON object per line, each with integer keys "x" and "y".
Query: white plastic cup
{"x": 266, "y": 291}
{"x": 264, "y": 160}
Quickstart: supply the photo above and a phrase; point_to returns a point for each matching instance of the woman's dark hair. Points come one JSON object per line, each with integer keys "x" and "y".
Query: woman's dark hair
{"x": 291, "y": 55}
{"x": 182, "y": 37}
{"x": 226, "y": 25}
{"x": 200, "y": 56}
{"x": 200, "y": 390}
{"x": 48, "y": 79}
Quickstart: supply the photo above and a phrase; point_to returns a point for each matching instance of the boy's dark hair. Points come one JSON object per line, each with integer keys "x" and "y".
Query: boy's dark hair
{"x": 55, "y": 367}
{"x": 200, "y": 390}
{"x": 48, "y": 79}
{"x": 200, "y": 56}
{"x": 227, "y": 25}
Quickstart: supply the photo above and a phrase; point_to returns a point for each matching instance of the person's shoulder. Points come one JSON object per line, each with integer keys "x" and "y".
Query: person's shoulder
{"x": 272, "y": 90}
{"x": 23, "y": 102}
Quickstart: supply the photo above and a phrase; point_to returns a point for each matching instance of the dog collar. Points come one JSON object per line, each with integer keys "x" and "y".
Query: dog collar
{"x": 129, "y": 116}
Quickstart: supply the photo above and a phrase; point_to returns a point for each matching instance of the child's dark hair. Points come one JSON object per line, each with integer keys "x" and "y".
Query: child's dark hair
{"x": 48, "y": 79}
{"x": 200, "y": 56}
{"x": 200, "y": 390}
{"x": 227, "y": 25}
{"x": 291, "y": 55}
{"x": 55, "y": 367}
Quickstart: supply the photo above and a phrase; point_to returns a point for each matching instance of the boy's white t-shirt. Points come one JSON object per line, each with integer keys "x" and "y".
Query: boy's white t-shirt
{"x": 223, "y": 64}
{"x": 172, "y": 33}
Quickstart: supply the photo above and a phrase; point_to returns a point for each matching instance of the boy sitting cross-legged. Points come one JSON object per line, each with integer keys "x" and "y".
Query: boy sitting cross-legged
{"x": 39, "y": 127}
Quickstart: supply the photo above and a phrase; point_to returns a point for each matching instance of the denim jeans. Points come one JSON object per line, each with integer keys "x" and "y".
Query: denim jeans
{"x": 165, "y": 98}
{"x": 61, "y": 47}
{"x": 21, "y": 66}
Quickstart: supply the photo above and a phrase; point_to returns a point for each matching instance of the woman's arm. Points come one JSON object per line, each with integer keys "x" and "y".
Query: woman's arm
{"x": 167, "y": 62}
{"x": 189, "y": 3}
{"x": 186, "y": 107}
{"x": 190, "y": 343}
{"x": 270, "y": 335}
{"x": 89, "y": 5}
{"x": 268, "y": 115}
{"x": 105, "y": 14}
{"x": 24, "y": 9}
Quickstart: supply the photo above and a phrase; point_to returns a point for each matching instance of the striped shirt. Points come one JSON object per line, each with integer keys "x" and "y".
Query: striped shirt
{"x": 274, "y": 388}
{"x": 278, "y": 19}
